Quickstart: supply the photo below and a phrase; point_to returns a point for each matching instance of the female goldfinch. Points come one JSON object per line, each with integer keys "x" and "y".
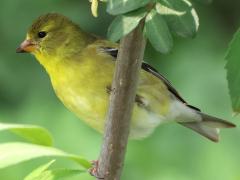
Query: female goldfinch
{"x": 81, "y": 67}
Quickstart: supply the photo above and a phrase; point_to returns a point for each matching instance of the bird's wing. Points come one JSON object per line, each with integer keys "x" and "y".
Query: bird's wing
{"x": 114, "y": 51}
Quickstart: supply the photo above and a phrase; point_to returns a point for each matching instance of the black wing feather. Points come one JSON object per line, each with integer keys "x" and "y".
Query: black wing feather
{"x": 113, "y": 52}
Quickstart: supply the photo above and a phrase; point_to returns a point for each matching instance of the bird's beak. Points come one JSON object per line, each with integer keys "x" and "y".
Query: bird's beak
{"x": 27, "y": 46}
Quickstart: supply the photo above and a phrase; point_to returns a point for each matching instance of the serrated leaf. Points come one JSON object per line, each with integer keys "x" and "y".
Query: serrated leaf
{"x": 158, "y": 33}
{"x": 16, "y": 152}
{"x": 124, "y": 24}
{"x": 233, "y": 71}
{"x": 184, "y": 22}
{"x": 34, "y": 134}
{"x": 43, "y": 173}
{"x": 116, "y": 7}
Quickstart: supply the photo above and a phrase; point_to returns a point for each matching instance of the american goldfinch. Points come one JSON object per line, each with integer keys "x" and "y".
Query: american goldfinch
{"x": 81, "y": 67}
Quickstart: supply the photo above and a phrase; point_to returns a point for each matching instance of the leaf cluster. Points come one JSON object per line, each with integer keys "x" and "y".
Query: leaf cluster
{"x": 40, "y": 144}
{"x": 163, "y": 20}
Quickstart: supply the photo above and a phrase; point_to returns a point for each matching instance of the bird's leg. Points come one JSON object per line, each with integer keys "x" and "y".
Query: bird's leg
{"x": 138, "y": 99}
{"x": 93, "y": 171}
{"x": 109, "y": 89}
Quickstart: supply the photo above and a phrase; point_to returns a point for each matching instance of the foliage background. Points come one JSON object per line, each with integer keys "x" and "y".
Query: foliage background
{"x": 195, "y": 67}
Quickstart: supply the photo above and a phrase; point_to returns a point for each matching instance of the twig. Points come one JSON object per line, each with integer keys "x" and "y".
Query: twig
{"x": 122, "y": 98}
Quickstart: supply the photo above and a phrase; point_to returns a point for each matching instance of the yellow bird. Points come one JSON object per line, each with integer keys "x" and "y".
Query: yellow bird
{"x": 81, "y": 67}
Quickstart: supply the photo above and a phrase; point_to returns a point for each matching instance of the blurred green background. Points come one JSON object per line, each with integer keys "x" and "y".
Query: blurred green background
{"x": 195, "y": 67}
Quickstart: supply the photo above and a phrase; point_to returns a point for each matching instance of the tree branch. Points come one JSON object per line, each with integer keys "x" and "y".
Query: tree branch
{"x": 122, "y": 98}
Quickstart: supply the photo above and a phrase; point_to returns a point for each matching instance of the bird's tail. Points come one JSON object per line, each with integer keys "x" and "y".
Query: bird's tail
{"x": 209, "y": 126}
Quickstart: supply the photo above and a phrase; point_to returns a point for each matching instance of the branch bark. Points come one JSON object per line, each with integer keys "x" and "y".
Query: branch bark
{"x": 122, "y": 99}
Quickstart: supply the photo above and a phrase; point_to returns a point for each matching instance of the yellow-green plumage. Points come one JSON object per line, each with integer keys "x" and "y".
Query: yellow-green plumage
{"x": 82, "y": 84}
{"x": 81, "y": 72}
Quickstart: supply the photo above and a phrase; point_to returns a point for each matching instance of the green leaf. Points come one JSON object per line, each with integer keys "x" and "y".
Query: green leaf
{"x": 116, "y": 7}
{"x": 57, "y": 174}
{"x": 233, "y": 71}
{"x": 181, "y": 17}
{"x": 164, "y": 10}
{"x": 34, "y": 134}
{"x": 16, "y": 152}
{"x": 158, "y": 33}
{"x": 42, "y": 173}
{"x": 37, "y": 172}
{"x": 124, "y": 24}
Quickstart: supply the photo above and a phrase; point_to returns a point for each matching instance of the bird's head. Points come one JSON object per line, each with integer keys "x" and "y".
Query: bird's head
{"x": 52, "y": 35}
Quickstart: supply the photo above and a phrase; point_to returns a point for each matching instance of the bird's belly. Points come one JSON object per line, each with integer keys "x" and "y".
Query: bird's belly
{"x": 92, "y": 110}
{"x": 91, "y": 104}
{"x": 89, "y": 107}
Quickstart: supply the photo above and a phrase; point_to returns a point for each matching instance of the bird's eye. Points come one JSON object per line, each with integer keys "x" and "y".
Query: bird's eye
{"x": 42, "y": 34}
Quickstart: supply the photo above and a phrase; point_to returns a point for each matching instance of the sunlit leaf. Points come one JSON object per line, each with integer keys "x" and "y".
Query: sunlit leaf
{"x": 34, "y": 134}
{"x": 233, "y": 71}
{"x": 184, "y": 22}
{"x": 158, "y": 33}
{"x": 124, "y": 24}
{"x": 43, "y": 173}
{"x": 123, "y": 6}
{"x": 164, "y": 10}
{"x": 16, "y": 152}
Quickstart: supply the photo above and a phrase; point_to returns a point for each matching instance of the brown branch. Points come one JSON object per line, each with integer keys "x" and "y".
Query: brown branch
{"x": 122, "y": 98}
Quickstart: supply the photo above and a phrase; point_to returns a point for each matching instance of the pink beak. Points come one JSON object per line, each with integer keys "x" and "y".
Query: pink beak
{"x": 26, "y": 47}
